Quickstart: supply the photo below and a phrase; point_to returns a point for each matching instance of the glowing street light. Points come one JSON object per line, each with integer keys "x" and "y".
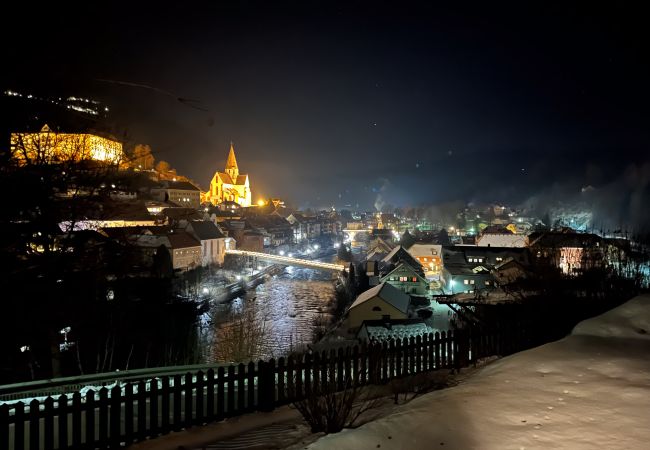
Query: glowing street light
{"x": 281, "y": 252}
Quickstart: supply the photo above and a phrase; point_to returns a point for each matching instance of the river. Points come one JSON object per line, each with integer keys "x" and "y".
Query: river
{"x": 278, "y": 317}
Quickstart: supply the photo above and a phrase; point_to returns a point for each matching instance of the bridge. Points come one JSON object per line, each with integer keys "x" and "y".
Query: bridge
{"x": 289, "y": 261}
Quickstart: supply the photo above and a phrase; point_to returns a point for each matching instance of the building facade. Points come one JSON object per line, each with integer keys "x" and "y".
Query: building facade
{"x": 49, "y": 147}
{"x": 182, "y": 193}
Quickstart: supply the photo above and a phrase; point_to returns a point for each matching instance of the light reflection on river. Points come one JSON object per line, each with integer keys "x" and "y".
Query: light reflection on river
{"x": 271, "y": 321}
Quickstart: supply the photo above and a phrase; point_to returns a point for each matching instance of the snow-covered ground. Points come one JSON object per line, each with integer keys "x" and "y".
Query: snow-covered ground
{"x": 590, "y": 390}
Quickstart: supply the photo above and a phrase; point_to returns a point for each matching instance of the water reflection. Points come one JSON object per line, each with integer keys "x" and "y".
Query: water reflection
{"x": 276, "y": 319}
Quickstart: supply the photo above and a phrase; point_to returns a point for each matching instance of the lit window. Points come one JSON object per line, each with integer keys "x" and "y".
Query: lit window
{"x": 471, "y": 281}
{"x": 414, "y": 279}
{"x": 487, "y": 283}
{"x": 465, "y": 281}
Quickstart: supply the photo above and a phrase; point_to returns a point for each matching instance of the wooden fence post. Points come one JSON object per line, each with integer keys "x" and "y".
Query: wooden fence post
{"x": 4, "y": 426}
{"x": 187, "y": 387}
{"x": 19, "y": 427}
{"x": 90, "y": 421}
{"x": 461, "y": 349}
{"x": 266, "y": 385}
{"x": 62, "y": 414}
{"x": 115, "y": 416}
{"x": 48, "y": 429}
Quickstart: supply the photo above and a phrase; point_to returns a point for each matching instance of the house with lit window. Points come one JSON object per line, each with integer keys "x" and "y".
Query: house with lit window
{"x": 181, "y": 193}
{"x": 399, "y": 255}
{"x": 213, "y": 242}
{"x": 569, "y": 251}
{"x": 382, "y": 302}
{"x": 429, "y": 256}
{"x": 462, "y": 278}
{"x": 406, "y": 279}
{"x": 185, "y": 251}
{"x": 487, "y": 256}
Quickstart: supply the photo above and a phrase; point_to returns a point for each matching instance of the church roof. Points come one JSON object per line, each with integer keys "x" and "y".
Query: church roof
{"x": 231, "y": 162}
{"x": 227, "y": 179}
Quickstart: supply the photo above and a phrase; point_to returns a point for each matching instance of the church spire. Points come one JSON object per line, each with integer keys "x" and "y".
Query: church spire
{"x": 231, "y": 164}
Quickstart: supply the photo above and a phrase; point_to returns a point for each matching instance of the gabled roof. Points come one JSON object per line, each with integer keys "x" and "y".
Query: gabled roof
{"x": 226, "y": 179}
{"x": 180, "y": 185}
{"x": 400, "y": 254}
{"x": 376, "y": 255}
{"x": 419, "y": 250}
{"x": 555, "y": 239}
{"x": 388, "y": 293}
{"x": 205, "y": 230}
{"x": 501, "y": 240}
{"x": 380, "y": 244}
{"x": 401, "y": 267}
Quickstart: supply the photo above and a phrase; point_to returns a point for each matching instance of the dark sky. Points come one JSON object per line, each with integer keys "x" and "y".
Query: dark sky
{"x": 332, "y": 104}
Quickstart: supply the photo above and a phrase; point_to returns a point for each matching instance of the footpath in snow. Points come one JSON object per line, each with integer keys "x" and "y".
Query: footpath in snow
{"x": 590, "y": 390}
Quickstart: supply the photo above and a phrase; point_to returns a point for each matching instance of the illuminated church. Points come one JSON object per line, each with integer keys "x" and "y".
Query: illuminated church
{"x": 229, "y": 185}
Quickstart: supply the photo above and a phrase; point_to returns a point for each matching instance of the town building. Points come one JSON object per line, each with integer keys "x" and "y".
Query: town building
{"x": 213, "y": 242}
{"x": 487, "y": 256}
{"x": 406, "y": 279}
{"x": 381, "y": 302}
{"x": 50, "y": 147}
{"x": 569, "y": 251}
{"x": 229, "y": 185}
{"x": 109, "y": 215}
{"x": 429, "y": 256}
{"x": 466, "y": 279}
{"x": 305, "y": 227}
{"x": 181, "y": 193}
{"x": 185, "y": 251}
{"x": 400, "y": 255}
{"x": 509, "y": 271}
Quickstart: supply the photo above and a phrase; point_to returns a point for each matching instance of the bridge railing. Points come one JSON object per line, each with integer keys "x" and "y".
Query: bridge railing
{"x": 288, "y": 260}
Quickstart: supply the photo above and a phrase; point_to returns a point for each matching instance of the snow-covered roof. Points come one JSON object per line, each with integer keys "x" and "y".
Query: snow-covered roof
{"x": 425, "y": 250}
{"x": 501, "y": 240}
{"x": 388, "y": 293}
{"x": 395, "y": 329}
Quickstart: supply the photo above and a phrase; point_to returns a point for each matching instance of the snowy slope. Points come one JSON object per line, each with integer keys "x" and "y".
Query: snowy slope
{"x": 590, "y": 390}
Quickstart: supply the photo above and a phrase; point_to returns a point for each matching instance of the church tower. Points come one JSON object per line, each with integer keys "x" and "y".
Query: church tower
{"x": 231, "y": 165}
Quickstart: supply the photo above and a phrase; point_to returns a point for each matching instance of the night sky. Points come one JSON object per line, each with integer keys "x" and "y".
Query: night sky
{"x": 335, "y": 105}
